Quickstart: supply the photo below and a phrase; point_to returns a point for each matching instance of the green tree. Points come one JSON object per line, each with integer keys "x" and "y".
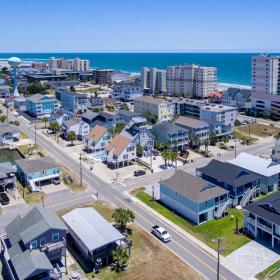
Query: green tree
{"x": 119, "y": 127}
{"x": 173, "y": 156}
{"x": 120, "y": 258}
{"x": 225, "y": 139}
{"x": 16, "y": 123}
{"x": 72, "y": 137}
{"x": 213, "y": 138}
{"x": 72, "y": 88}
{"x": 36, "y": 88}
{"x": 165, "y": 156}
{"x": 122, "y": 217}
{"x": 160, "y": 146}
{"x": 4, "y": 71}
{"x": 54, "y": 126}
{"x": 3, "y": 118}
{"x": 194, "y": 141}
{"x": 125, "y": 107}
{"x": 139, "y": 150}
{"x": 206, "y": 144}
{"x": 45, "y": 120}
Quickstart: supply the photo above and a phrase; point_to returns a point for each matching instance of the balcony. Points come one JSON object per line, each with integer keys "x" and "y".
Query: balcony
{"x": 264, "y": 227}
{"x": 50, "y": 247}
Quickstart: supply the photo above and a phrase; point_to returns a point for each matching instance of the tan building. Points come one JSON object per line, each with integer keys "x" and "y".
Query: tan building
{"x": 161, "y": 109}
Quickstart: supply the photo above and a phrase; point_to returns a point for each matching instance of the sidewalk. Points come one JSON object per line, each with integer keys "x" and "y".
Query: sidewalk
{"x": 191, "y": 238}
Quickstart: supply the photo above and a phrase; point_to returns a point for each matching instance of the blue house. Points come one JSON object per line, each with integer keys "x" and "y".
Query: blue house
{"x": 242, "y": 185}
{"x": 37, "y": 172}
{"x": 40, "y": 106}
{"x": 193, "y": 198}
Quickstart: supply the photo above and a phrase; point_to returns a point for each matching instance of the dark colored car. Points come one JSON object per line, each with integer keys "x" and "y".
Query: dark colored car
{"x": 56, "y": 181}
{"x": 139, "y": 173}
{"x": 4, "y": 199}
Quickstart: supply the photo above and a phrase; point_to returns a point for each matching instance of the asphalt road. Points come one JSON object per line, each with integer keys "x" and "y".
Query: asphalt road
{"x": 183, "y": 247}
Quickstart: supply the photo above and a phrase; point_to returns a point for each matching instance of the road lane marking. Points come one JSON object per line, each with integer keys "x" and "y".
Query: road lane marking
{"x": 178, "y": 244}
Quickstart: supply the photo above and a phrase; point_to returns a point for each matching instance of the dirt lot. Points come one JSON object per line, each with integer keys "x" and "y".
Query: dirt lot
{"x": 259, "y": 130}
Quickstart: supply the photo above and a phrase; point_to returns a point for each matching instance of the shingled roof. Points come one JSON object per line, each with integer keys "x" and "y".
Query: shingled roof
{"x": 96, "y": 133}
{"x": 118, "y": 144}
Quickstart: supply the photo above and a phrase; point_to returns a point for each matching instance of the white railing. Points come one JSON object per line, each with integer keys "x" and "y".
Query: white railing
{"x": 264, "y": 227}
{"x": 247, "y": 196}
{"x": 219, "y": 213}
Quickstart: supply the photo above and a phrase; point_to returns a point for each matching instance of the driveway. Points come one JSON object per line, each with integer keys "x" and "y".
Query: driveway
{"x": 250, "y": 259}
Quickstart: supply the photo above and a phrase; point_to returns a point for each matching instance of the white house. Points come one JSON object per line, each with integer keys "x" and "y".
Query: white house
{"x": 120, "y": 151}
{"x": 60, "y": 116}
{"x": 76, "y": 125}
{"x": 8, "y": 134}
{"x": 267, "y": 169}
{"x": 97, "y": 139}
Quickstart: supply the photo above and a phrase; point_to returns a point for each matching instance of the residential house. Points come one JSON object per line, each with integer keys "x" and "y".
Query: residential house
{"x": 126, "y": 90}
{"x": 96, "y": 103}
{"x": 120, "y": 151}
{"x": 60, "y": 116}
{"x": 237, "y": 97}
{"x": 193, "y": 198}
{"x": 33, "y": 245}
{"x": 4, "y": 91}
{"x": 37, "y": 172}
{"x": 243, "y": 186}
{"x": 172, "y": 135}
{"x": 112, "y": 103}
{"x": 262, "y": 219}
{"x": 8, "y": 134}
{"x": 140, "y": 134}
{"x": 195, "y": 127}
{"x": 40, "y": 106}
{"x": 131, "y": 117}
{"x": 97, "y": 139}
{"x": 74, "y": 102}
{"x": 76, "y": 125}
{"x": 93, "y": 236}
{"x": 218, "y": 128}
{"x": 7, "y": 176}
{"x": 90, "y": 117}
{"x": 157, "y": 108}
{"x": 267, "y": 169}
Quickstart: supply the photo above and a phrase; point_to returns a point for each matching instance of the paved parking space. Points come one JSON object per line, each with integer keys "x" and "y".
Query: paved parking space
{"x": 251, "y": 259}
{"x": 52, "y": 188}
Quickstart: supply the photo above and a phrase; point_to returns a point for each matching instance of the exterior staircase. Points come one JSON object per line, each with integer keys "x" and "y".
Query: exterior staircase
{"x": 247, "y": 196}
{"x": 220, "y": 211}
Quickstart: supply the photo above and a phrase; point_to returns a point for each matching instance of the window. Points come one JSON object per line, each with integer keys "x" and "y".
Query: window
{"x": 55, "y": 236}
{"x": 33, "y": 244}
{"x": 42, "y": 241}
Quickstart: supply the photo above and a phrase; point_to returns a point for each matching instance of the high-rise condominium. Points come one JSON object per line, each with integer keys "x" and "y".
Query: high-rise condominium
{"x": 153, "y": 79}
{"x": 191, "y": 80}
{"x": 76, "y": 64}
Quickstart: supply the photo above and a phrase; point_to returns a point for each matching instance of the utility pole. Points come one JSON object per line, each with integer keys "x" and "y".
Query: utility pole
{"x": 151, "y": 160}
{"x": 249, "y": 125}
{"x": 219, "y": 251}
{"x": 153, "y": 187}
{"x": 35, "y": 135}
{"x": 235, "y": 148}
{"x": 81, "y": 172}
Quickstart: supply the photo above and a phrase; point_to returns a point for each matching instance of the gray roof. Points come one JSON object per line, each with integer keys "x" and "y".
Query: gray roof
{"x": 192, "y": 187}
{"x": 91, "y": 228}
{"x": 151, "y": 100}
{"x": 5, "y": 169}
{"x": 267, "y": 208}
{"x": 36, "y": 222}
{"x": 190, "y": 122}
{"x": 72, "y": 121}
{"x": 37, "y": 98}
{"x": 59, "y": 113}
{"x": 27, "y": 263}
{"x": 33, "y": 165}
{"x": 7, "y": 128}
{"x": 169, "y": 127}
{"x": 228, "y": 173}
{"x": 89, "y": 115}
{"x": 128, "y": 113}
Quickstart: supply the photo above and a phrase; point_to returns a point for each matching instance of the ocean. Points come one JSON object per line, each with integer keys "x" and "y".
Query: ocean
{"x": 233, "y": 68}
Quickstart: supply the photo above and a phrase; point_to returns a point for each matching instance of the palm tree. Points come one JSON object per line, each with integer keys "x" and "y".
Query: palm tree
{"x": 173, "y": 157}
{"x": 213, "y": 137}
{"x": 139, "y": 150}
{"x": 122, "y": 217}
{"x": 206, "y": 144}
{"x": 54, "y": 126}
{"x": 45, "y": 120}
{"x": 165, "y": 156}
{"x": 72, "y": 137}
{"x": 120, "y": 257}
{"x": 225, "y": 139}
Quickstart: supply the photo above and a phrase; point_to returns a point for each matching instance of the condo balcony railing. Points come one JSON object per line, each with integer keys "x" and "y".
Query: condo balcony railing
{"x": 52, "y": 246}
{"x": 264, "y": 227}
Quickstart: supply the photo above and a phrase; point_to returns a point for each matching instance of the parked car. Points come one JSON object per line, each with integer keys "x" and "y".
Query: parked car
{"x": 4, "y": 199}
{"x": 75, "y": 276}
{"x": 56, "y": 181}
{"x": 156, "y": 153}
{"x": 161, "y": 233}
{"x": 139, "y": 173}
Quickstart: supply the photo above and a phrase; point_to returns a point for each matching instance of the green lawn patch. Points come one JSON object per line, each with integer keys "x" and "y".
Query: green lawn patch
{"x": 274, "y": 267}
{"x": 205, "y": 232}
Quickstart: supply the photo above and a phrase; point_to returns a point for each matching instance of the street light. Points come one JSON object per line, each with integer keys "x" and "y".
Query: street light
{"x": 235, "y": 147}
{"x": 219, "y": 251}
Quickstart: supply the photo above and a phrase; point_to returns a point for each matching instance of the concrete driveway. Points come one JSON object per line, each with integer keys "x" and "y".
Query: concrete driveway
{"x": 250, "y": 259}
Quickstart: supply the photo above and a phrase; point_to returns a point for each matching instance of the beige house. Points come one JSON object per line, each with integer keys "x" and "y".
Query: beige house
{"x": 161, "y": 109}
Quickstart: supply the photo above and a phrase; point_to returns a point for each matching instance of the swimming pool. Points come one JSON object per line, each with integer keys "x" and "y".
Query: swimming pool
{"x": 100, "y": 156}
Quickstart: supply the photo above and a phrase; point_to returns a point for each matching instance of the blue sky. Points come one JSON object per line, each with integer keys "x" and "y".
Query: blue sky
{"x": 139, "y": 25}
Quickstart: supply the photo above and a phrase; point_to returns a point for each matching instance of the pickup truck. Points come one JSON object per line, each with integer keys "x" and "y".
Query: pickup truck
{"x": 161, "y": 233}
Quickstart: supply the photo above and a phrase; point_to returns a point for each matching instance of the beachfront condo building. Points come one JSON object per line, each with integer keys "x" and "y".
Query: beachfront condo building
{"x": 76, "y": 64}
{"x": 265, "y": 100}
{"x": 153, "y": 80}
{"x": 190, "y": 80}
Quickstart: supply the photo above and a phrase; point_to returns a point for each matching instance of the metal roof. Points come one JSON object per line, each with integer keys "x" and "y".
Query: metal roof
{"x": 91, "y": 228}
{"x": 256, "y": 164}
{"x": 190, "y": 122}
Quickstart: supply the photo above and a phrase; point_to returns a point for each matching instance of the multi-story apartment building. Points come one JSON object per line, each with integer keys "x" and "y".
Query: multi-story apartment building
{"x": 76, "y": 64}
{"x": 40, "y": 106}
{"x": 73, "y": 102}
{"x": 126, "y": 90}
{"x": 161, "y": 109}
{"x": 102, "y": 76}
{"x": 203, "y": 110}
{"x": 191, "y": 80}
{"x": 265, "y": 85}
{"x": 237, "y": 97}
{"x": 153, "y": 79}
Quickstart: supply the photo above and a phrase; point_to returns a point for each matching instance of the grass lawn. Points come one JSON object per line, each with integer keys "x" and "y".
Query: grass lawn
{"x": 149, "y": 259}
{"x": 258, "y": 129}
{"x": 206, "y": 232}
{"x": 261, "y": 276}
{"x": 29, "y": 197}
